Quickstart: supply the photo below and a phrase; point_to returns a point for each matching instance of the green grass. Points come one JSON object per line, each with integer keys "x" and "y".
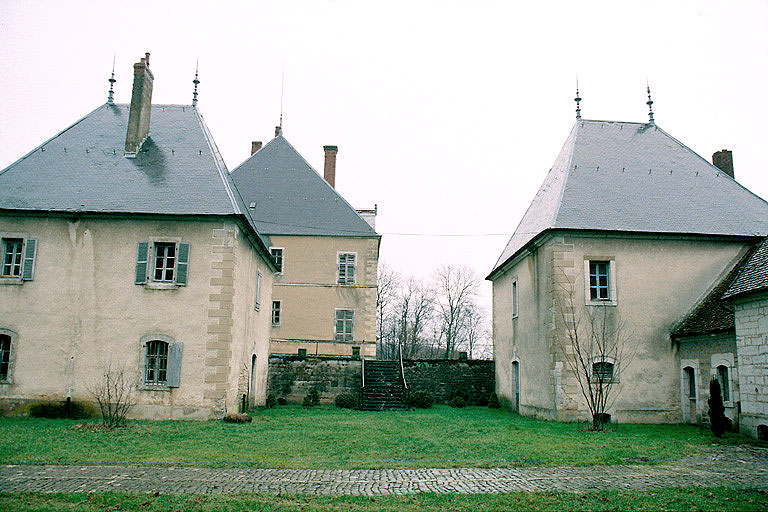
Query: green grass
{"x": 293, "y": 437}
{"x": 663, "y": 499}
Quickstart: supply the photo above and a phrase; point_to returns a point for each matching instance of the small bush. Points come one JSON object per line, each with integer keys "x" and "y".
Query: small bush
{"x": 716, "y": 410}
{"x": 282, "y": 401}
{"x": 271, "y": 400}
{"x": 56, "y": 410}
{"x": 493, "y": 401}
{"x": 420, "y": 400}
{"x": 458, "y": 402}
{"x": 238, "y": 418}
{"x": 346, "y": 401}
{"x": 312, "y": 399}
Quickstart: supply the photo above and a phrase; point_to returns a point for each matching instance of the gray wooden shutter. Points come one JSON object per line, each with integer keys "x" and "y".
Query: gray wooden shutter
{"x": 174, "y": 364}
{"x": 351, "y": 269}
{"x": 142, "y": 253}
{"x": 182, "y": 264}
{"x": 28, "y": 271}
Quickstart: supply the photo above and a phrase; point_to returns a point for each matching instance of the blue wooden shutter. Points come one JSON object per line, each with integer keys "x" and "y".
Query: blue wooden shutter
{"x": 142, "y": 253}
{"x": 350, "y": 269}
{"x": 28, "y": 271}
{"x": 174, "y": 364}
{"x": 182, "y": 264}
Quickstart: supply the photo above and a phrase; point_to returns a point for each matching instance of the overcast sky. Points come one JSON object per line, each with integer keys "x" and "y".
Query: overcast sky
{"x": 447, "y": 114}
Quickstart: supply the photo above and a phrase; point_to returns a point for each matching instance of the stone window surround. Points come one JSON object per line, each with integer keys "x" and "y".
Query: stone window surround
{"x": 12, "y": 358}
{"x": 612, "y": 292}
{"x": 515, "y": 290}
{"x": 151, "y": 284}
{"x": 143, "y": 384}
{"x": 725, "y": 359}
{"x": 616, "y": 377}
{"x": 282, "y": 259}
{"x": 23, "y": 237}
{"x": 694, "y": 364}
{"x": 257, "y": 300}
{"x": 347, "y": 281}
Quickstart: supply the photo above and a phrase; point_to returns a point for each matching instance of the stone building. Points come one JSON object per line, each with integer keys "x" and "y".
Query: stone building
{"x": 125, "y": 245}
{"x": 631, "y": 225}
{"x": 324, "y": 296}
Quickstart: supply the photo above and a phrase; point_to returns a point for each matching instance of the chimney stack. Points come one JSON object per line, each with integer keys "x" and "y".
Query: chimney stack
{"x": 255, "y": 146}
{"x": 723, "y": 160}
{"x": 141, "y": 107}
{"x": 329, "y": 169}
{"x": 278, "y": 131}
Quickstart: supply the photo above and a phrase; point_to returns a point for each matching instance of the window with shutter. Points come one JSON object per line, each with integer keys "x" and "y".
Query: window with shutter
{"x": 162, "y": 361}
{"x": 12, "y": 257}
{"x": 346, "y": 268}
{"x": 30, "y": 250}
{"x": 163, "y": 262}
{"x": 7, "y": 348}
{"x": 344, "y": 325}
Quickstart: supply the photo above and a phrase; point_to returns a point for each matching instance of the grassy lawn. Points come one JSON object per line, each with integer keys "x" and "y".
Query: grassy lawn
{"x": 293, "y": 437}
{"x": 665, "y": 499}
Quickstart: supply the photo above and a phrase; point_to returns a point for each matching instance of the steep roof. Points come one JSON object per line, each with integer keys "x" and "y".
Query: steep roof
{"x": 635, "y": 177}
{"x": 291, "y": 198}
{"x": 177, "y": 171}
{"x": 753, "y": 276}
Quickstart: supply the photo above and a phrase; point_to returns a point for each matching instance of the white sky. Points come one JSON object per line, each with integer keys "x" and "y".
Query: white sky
{"x": 447, "y": 114}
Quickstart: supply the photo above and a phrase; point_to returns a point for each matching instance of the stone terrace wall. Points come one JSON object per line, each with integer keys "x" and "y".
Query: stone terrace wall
{"x": 444, "y": 378}
{"x": 292, "y": 376}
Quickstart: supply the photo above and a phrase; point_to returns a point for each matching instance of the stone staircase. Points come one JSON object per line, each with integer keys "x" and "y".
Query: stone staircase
{"x": 383, "y": 386}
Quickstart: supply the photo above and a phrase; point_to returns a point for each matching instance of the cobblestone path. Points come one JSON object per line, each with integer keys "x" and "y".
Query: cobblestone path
{"x": 738, "y": 467}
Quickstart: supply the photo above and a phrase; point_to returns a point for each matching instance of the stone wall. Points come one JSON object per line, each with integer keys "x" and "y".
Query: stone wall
{"x": 291, "y": 377}
{"x": 752, "y": 349}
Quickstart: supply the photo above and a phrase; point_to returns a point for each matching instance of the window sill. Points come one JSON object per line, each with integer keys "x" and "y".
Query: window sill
{"x": 161, "y": 286}
{"x": 11, "y": 280}
{"x": 601, "y": 303}
{"x": 155, "y": 387}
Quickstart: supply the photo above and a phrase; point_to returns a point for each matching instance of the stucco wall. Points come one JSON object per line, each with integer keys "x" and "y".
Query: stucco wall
{"x": 752, "y": 350}
{"x": 657, "y": 281}
{"x": 310, "y": 295}
{"x": 83, "y": 312}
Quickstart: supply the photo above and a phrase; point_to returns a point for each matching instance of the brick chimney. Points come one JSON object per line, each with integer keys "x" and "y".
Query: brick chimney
{"x": 255, "y": 146}
{"x": 723, "y": 160}
{"x": 141, "y": 107}
{"x": 329, "y": 169}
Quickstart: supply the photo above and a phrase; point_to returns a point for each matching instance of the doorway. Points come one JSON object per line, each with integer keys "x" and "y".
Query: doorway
{"x": 516, "y": 386}
{"x": 252, "y": 387}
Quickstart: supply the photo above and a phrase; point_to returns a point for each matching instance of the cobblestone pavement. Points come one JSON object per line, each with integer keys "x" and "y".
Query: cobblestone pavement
{"x": 738, "y": 467}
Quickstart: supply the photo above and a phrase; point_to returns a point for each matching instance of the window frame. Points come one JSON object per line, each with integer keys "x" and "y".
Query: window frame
{"x": 279, "y": 311}
{"x": 726, "y": 360}
{"x": 257, "y": 298}
{"x": 614, "y": 378}
{"x": 174, "y": 358}
{"x": 27, "y": 263}
{"x": 346, "y": 280}
{"x": 151, "y": 263}
{"x": 612, "y": 299}
{"x": 345, "y": 321}
{"x": 515, "y": 298}
{"x": 281, "y": 266}
{"x": 13, "y": 335}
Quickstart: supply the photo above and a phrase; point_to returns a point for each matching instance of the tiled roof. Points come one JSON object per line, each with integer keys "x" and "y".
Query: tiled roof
{"x": 635, "y": 177}
{"x": 291, "y": 198}
{"x": 711, "y": 315}
{"x": 177, "y": 171}
{"x": 754, "y": 274}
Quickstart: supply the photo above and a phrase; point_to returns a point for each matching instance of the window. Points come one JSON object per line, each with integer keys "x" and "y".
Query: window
{"x": 18, "y": 258}
{"x": 722, "y": 378}
{"x": 275, "y": 312}
{"x": 302, "y": 352}
{"x": 162, "y": 262}
{"x": 344, "y": 324}
{"x": 7, "y": 342}
{"x": 602, "y": 371}
{"x": 689, "y": 382}
{"x": 277, "y": 255}
{"x": 157, "y": 362}
{"x": 514, "y": 299}
{"x": 598, "y": 280}
{"x": 355, "y": 351}
{"x": 257, "y": 303}
{"x": 162, "y": 361}
{"x": 346, "y": 268}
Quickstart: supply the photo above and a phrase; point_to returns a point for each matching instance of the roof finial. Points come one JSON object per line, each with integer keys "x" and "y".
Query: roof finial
{"x": 282, "y": 88}
{"x": 195, "y": 81}
{"x": 111, "y": 97}
{"x": 577, "y": 99}
{"x": 650, "y": 104}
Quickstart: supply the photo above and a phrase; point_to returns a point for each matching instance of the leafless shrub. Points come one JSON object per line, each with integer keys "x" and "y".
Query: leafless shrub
{"x": 114, "y": 395}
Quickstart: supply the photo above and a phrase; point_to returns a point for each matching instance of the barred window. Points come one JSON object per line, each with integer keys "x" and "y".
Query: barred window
{"x": 156, "y": 362}
{"x": 5, "y": 356}
{"x": 602, "y": 370}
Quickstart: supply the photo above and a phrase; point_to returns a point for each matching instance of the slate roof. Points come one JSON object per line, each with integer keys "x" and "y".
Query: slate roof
{"x": 292, "y": 198}
{"x": 635, "y": 177}
{"x": 753, "y": 276}
{"x": 177, "y": 171}
{"x": 711, "y": 315}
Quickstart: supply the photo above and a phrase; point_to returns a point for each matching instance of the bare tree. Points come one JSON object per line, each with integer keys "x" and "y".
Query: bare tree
{"x": 414, "y": 312}
{"x": 388, "y": 284}
{"x": 114, "y": 394}
{"x": 595, "y": 347}
{"x": 475, "y": 329}
{"x": 456, "y": 288}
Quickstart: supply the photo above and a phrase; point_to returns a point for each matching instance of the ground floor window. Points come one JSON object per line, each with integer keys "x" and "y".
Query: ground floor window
{"x": 156, "y": 362}
{"x": 722, "y": 378}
